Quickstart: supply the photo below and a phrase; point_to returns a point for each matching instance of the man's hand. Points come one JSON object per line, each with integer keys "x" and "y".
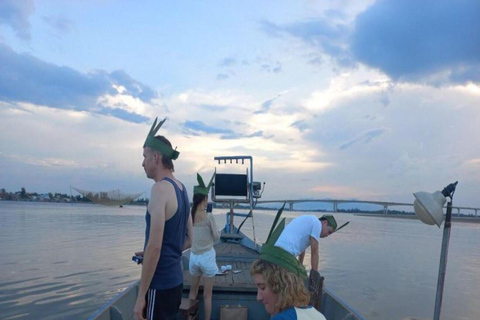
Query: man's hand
{"x": 138, "y": 309}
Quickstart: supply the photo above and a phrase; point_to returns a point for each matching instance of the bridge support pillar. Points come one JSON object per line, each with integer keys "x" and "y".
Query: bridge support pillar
{"x": 385, "y": 209}
{"x": 290, "y": 204}
{"x": 458, "y": 212}
{"x": 335, "y": 207}
{"x": 475, "y": 212}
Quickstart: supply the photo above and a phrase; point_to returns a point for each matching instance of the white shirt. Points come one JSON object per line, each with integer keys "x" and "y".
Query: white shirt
{"x": 295, "y": 238}
{"x": 308, "y": 313}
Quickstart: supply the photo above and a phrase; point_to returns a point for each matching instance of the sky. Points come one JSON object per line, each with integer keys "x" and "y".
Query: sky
{"x": 368, "y": 100}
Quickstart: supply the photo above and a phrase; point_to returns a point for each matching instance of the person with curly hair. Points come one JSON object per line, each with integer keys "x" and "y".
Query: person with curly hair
{"x": 280, "y": 279}
{"x": 282, "y": 292}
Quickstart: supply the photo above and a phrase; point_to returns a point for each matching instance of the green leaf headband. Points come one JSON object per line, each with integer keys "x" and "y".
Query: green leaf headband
{"x": 277, "y": 255}
{"x": 331, "y": 221}
{"x": 201, "y": 188}
{"x": 158, "y": 145}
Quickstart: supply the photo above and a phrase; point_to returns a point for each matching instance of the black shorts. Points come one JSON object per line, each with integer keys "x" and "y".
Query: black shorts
{"x": 163, "y": 304}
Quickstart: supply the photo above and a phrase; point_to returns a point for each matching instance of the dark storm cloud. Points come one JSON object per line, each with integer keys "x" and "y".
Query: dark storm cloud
{"x": 412, "y": 40}
{"x": 435, "y": 42}
{"x": 24, "y": 78}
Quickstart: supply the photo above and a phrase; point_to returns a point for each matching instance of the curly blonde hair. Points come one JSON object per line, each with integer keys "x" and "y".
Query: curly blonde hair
{"x": 289, "y": 287}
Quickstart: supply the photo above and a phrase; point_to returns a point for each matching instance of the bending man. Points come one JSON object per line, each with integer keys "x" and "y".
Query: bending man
{"x": 305, "y": 231}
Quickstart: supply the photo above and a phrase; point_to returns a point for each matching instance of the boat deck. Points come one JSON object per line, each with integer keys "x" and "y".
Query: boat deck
{"x": 240, "y": 258}
{"x": 231, "y": 289}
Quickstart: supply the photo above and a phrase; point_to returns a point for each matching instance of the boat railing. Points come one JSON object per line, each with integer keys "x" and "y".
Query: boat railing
{"x": 119, "y": 307}
{"x": 336, "y": 308}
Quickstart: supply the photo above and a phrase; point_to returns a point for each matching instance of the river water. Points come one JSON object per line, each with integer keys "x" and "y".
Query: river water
{"x": 63, "y": 261}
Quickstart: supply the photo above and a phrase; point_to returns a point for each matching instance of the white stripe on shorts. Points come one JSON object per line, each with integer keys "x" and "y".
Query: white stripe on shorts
{"x": 151, "y": 303}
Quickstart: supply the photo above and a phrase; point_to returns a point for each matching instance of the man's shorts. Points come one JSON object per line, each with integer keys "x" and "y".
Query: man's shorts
{"x": 203, "y": 264}
{"x": 163, "y": 304}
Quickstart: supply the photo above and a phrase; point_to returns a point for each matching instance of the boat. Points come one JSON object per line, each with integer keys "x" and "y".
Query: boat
{"x": 108, "y": 198}
{"x": 234, "y": 288}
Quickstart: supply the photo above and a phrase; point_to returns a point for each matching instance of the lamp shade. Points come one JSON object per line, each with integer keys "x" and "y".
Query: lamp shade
{"x": 429, "y": 207}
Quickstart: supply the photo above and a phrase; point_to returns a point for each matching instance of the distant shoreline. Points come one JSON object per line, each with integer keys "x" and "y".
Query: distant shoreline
{"x": 356, "y": 212}
{"x": 405, "y": 216}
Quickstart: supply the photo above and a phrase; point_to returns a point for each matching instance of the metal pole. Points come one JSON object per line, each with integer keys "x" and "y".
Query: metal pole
{"x": 251, "y": 201}
{"x": 230, "y": 228}
{"x": 443, "y": 262}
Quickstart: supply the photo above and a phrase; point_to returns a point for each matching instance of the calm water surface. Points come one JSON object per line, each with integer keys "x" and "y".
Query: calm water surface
{"x": 63, "y": 261}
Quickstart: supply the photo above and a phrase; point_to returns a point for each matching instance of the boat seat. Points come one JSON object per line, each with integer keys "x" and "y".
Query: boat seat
{"x": 189, "y": 309}
{"x": 315, "y": 286}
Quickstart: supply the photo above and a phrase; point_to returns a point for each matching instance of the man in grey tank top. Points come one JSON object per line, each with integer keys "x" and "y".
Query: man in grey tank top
{"x": 169, "y": 231}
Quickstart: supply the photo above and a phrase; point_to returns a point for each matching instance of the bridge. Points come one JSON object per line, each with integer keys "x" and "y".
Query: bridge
{"x": 335, "y": 203}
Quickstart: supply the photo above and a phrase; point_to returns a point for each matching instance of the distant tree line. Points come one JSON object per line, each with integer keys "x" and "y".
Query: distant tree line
{"x": 23, "y": 195}
{"x": 139, "y": 201}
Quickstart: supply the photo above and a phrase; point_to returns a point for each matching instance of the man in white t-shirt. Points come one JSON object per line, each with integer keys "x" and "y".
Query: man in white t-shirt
{"x": 305, "y": 231}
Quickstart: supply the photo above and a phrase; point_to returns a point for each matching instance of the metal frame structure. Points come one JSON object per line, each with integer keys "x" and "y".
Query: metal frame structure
{"x": 230, "y": 228}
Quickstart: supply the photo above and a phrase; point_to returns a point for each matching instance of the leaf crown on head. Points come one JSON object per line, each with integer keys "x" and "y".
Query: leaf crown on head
{"x": 159, "y": 145}
{"x": 202, "y": 188}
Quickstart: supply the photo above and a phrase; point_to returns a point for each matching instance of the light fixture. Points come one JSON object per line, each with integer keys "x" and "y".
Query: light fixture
{"x": 429, "y": 209}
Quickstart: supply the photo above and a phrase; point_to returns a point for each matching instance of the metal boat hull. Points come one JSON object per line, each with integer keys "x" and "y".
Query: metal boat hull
{"x": 121, "y": 307}
{"x": 230, "y": 289}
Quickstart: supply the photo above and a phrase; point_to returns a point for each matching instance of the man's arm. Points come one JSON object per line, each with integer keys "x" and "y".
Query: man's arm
{"x": 301, "y": 257}
{"x": 189, "y": 237}
{"x": 156, "y": 207}
{"x": 314, "y": 252}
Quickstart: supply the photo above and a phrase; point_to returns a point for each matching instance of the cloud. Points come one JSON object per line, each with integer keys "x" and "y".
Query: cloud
{"x": 406, "y": 164}
{"x": 319, "y": 33}
{"x": 42, "y": 162}
{"x": 60, "y": 25}
{"x": 266, "y": 105}
{"x": 133, "y": 87}
{"x": 16, "y": 14}
{"x": 222, "y": 76}
{"x": 474, "y": 161}
{"x": 25, "y": 78}
{"x": 202, "y": 127}
{"x": 123, "y": 114}
{"x": 214, "y": 108}
{"x": 256, "y": 134}
{"x": 197, "y": 127}
{"x": 234, "y": 135}
{"x": 431, "y": 41}
{"x": 228, "y": 62}
{"x": 335, "y": 191}
{"x": 365, "y": 136}
{"x": 301, "y": 125}
{"x": 415, "y": 143}
{"x": 276, "y": 68}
